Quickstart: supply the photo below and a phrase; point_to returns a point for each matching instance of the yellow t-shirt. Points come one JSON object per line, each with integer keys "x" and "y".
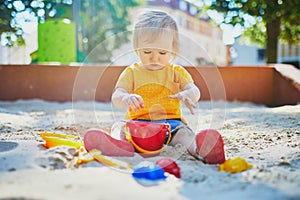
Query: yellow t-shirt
{"x": 155, "y": 87}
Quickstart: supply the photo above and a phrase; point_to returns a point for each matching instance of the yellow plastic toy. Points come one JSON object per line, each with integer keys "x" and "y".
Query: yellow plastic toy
{"x": 109, "y": 161}
{"x": 56, "y": 139}
{"x": 235, "y": 165}
{"x": 83, "y": 156}
{"x": 94, "y": 154}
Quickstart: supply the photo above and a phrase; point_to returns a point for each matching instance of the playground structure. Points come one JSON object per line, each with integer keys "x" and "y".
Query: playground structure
{"x": 273, "y": 85}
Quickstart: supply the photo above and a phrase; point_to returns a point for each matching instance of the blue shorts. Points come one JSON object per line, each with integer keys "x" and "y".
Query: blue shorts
{"x": 174, "y": 123}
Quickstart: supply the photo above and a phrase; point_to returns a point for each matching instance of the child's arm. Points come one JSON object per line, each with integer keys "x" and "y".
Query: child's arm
{"x": 189, "y": 95}
{"x": 122, "y": 99}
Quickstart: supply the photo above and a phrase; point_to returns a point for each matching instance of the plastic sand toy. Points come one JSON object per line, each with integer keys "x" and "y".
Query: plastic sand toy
{"x": 169, "y": 166}
{"x": 148, "y": 174}
{"x": 56, "y": 139}
{"x": 147, "y": 138}
{"x": 96, "y": 155}
{"x": 109, "y": 161}
{"x": 235, "y": 165}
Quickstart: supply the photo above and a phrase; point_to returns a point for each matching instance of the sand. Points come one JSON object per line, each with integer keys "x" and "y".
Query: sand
{"x": 266, "y": 137}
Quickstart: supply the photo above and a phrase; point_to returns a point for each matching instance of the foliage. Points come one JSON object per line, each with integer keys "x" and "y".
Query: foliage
{"x": 103, "y": 27}
{"x": 259, "y": 31}
{"x": 11, "y": 10}
{"x": 97, "y": 21}
{"x": 275, "y": 19}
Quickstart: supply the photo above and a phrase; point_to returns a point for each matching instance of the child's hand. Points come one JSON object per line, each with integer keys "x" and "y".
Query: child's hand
{"x": 186, "y": 100}
{"x": 133, "y": 101}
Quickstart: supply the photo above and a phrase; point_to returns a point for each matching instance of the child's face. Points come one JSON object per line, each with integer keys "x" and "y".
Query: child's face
{"x": 156, "y": 54}
{"x": 154, "y": 59}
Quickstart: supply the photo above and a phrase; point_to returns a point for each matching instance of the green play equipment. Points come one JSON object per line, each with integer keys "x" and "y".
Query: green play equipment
{"x": 56, "y": 41}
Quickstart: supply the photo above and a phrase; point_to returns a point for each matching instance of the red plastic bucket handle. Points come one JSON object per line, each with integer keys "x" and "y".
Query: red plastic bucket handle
{"x": 140, "y": 149}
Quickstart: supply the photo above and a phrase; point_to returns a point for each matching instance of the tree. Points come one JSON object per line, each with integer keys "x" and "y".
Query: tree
{"x": 276, "y": 20}
{"x": 103, "y": 27}
{"x": 11, "y": 10}
{"x": 96, "y": 20}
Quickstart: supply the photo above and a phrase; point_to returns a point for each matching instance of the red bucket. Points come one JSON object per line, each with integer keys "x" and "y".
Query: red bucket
{"x": 147, "y": 137}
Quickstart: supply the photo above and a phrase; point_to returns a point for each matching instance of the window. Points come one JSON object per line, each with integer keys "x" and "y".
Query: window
{"x": 282, "y": 49}
{"x": 182, "y": 5}
{"x": 290, "y": 50}
{"x": 261, "y": 54}
{"x": 193, "y": 10}
{"x": 297, "y": 51}
{"x": 180, "y": 21}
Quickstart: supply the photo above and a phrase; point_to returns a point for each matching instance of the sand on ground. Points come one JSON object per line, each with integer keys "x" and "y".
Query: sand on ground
{"x": 267, "y": 137}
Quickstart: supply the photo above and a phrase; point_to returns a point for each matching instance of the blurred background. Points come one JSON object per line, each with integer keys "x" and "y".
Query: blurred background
{"x": 231, "y": 32}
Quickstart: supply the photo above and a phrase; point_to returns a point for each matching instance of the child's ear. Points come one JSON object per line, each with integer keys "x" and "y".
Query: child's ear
{"x": 136, "y": 52}
{"x": 174, "y": 55}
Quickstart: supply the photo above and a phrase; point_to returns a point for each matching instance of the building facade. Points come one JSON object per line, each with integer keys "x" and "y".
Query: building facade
{"x": 253, "y": 55}
{"x": 200, "y": 42}
{"x": 289, "y": 54}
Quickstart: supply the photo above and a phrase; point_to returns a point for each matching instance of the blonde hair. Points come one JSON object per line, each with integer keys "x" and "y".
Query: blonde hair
{"x": 152, "y": 24}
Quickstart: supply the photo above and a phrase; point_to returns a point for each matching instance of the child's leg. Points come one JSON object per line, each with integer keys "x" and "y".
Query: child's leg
{"x": 207, "y": 145}
{"x": 185, "y": 136}
{"x": 117, "y": 130}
